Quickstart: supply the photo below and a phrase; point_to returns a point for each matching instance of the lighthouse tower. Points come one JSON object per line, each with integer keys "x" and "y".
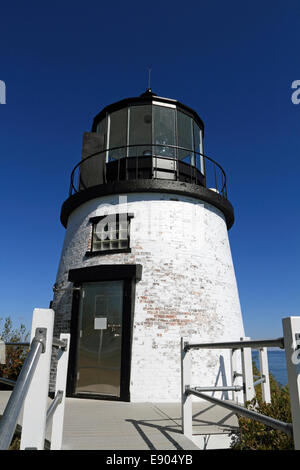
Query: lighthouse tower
{"x": 146, "y": 258}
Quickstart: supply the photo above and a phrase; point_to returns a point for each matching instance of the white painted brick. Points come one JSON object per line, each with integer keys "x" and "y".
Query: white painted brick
{"x": 188, "y": 287}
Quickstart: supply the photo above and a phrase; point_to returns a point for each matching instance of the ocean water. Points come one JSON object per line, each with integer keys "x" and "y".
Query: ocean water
{"x": 277, "y": 365}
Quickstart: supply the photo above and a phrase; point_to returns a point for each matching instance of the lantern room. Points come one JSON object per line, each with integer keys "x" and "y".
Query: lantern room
{"x": 145, "y": 137}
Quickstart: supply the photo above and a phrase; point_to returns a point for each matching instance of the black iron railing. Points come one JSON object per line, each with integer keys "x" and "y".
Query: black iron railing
{"x": 148, "y": 161}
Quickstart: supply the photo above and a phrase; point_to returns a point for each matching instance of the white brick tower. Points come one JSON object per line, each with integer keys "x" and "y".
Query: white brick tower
{"x": 146, "y": 257}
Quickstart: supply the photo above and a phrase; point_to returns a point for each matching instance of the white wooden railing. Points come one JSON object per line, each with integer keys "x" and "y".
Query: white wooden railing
{"x": 32, "y": 387}
{"x": 242, "y": 370}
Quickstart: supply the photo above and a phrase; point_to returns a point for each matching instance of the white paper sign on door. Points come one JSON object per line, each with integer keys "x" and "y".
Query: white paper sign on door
{"x": 100, "y": 324}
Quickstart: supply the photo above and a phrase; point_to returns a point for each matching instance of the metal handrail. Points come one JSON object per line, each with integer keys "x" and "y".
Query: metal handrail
{"x": 6, "y": 381}
{"x": 255, "y": 344}
{"x": 287, "y": 428}
{"x": 13, "y": 408}
{"x": 225, "y": 388}
{"x": 32, "y": 388}
{"x": 223, "y": 189}
{"x": 55, "y": 343}
{"x": 10, "y": 416}
{"x": 259, "y": 381}
{"x": 291, "y": 328}
{"x": 58, "y": 343}
{"x": 56, "y": 401}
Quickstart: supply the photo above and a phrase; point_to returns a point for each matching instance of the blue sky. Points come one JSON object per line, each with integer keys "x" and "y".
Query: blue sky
{"x": 233, "y": 62}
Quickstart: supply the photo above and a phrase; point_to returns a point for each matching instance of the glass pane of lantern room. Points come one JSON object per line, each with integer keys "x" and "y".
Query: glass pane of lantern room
{"x": 140, "y": 130}
{"x": 164, "y": 131}
{"x": 101, "y": 130}
{"x": 198, "y": 148}
{"x": 185, "y": 138}
{"x": 100, "y": 338}
{"x": 117, "y": 130}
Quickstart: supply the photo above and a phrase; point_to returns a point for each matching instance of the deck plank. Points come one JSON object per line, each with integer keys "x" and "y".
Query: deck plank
{"x": 110, "y": 425}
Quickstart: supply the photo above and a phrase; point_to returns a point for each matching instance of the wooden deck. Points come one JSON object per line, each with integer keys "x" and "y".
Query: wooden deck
{"x": 108, "y": 425}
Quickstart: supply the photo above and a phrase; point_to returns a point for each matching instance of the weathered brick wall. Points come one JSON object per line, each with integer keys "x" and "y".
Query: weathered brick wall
{"x": 188, "y": 287}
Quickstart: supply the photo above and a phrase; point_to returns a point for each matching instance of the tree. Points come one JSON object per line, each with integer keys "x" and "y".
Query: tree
{"x": 15, "y": 355}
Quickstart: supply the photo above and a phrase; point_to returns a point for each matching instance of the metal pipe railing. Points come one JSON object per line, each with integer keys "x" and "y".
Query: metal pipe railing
{"x": 56, "y": 401}
{"x": 6, "y": 381}
{"x": 10, "y": 416}
{"x": 58, "y": 343}
{"x": 255, "y": 344}
{"x": 287, "y": 428}
{"x": 289, "y": 342}
{"x": 233, "y": 388}
{"x": 32, "y": 387}
{"x": 259, "y": 381}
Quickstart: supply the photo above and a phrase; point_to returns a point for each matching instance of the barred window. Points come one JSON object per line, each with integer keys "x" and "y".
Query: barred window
{"x": 110, "y": 233}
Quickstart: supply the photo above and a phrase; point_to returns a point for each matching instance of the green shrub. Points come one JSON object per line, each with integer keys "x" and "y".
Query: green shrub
{"x": 254, "y": 435}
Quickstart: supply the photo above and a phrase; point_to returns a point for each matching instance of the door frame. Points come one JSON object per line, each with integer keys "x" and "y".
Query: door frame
{"x": 129, "y": 274}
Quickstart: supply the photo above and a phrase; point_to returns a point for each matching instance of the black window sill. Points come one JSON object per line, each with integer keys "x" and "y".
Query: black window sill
{"x": 107, "y": 252}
